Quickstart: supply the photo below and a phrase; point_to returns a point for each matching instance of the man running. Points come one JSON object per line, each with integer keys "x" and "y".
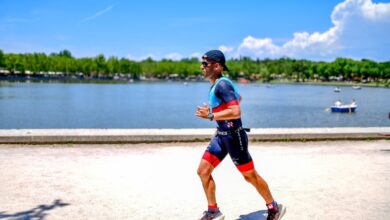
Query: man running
{"x": 231, "y": 138}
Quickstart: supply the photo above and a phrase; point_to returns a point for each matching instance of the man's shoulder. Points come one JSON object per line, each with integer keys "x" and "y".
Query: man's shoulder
{"x": 224, "y": 83}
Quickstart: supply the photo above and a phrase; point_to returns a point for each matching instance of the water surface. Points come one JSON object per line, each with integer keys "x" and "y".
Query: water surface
{"x": 173, "y": 105}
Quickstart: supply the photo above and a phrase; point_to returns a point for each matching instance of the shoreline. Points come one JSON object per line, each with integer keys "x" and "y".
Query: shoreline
{"x": 128, "y": 136}
{"x": 107, "y": 80}
{"x": 332, "y": 83}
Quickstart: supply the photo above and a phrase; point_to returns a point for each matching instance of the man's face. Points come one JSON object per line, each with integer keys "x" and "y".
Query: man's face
{"x": 209, "y": 68}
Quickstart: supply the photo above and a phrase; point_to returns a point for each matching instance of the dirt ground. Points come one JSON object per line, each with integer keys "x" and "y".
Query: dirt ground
{"x": 315, "y": 180}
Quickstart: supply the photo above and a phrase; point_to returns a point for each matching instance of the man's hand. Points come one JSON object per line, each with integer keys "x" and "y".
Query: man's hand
{"x": 202, "y": 111}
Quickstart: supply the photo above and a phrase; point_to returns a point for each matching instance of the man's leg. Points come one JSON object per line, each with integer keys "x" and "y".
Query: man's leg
{"x": 238, "y": 151}
{"x": 275, "y": 210}
{"x": 204, "y": 171}
{"x": 213, "y": 155}
{"x": 259, "y": 183}
{"x": 211, "y": 158}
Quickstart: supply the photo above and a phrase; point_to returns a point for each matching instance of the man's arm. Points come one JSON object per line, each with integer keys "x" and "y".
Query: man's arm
{"x": 232, "y": 112}
{"x": 226, "y": 93}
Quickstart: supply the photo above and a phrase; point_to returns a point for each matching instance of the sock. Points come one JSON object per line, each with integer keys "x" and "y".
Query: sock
{"x": 273, "y": 206}
{"x": 213, "y": 208}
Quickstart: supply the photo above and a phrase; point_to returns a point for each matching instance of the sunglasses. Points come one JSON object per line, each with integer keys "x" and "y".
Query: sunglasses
{"x": 206, "y": 64}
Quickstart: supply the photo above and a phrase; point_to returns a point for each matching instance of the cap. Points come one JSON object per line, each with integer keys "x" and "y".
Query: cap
{"x": 217, "y": 56}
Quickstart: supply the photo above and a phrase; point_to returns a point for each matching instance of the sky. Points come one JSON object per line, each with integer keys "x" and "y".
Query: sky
{"x": 176, "y": 29}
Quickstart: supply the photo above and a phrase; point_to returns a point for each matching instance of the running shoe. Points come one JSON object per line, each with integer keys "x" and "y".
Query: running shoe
{"x": 280, "y": 211}
{"x": 207, "y": 215}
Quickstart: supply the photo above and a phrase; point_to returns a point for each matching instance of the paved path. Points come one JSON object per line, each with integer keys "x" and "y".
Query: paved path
{"x": 316, "y": 180}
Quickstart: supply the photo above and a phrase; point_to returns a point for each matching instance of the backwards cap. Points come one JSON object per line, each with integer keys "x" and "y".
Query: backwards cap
{"x": 217, "y": 56}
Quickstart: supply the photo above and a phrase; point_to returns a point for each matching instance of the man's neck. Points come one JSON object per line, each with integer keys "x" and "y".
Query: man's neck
{"x": 215, "y": 78}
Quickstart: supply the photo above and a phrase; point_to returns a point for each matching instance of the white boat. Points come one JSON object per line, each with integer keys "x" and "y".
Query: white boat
{"x": 344, "y": 108}
{"x": 337, "y": 89}
{"x": 356, "y": 87}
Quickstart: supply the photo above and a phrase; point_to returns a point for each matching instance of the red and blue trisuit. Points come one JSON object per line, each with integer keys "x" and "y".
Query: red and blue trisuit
{"x": 230, "y": 136}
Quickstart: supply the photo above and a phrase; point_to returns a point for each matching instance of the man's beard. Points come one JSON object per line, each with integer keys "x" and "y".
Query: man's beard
{"x": 208, "y": 75}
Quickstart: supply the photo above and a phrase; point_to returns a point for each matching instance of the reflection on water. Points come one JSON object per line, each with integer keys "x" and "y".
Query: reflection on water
{"x": 7, "y": 97}
{"x": 173, "y": 105}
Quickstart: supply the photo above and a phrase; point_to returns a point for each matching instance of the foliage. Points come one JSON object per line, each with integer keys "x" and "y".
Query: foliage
{"x": 63, "y": 63}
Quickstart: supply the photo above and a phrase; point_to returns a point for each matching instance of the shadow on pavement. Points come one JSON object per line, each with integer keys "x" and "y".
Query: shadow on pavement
{"x": 258, "y": 215}
{"x": 38, "y": 212}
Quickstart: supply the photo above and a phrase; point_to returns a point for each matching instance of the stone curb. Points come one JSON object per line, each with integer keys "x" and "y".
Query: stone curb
{"x": 110, "y": 136}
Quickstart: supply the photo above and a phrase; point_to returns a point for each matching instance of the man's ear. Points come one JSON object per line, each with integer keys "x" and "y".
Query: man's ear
{"x": 218, "y": 65}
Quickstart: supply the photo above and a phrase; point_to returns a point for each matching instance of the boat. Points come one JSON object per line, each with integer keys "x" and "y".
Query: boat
{"x": 356, "y": 87}
{"x": 337, "y": 89}
{"x": 242, "y": 80}
{"x": 344, "y": 108}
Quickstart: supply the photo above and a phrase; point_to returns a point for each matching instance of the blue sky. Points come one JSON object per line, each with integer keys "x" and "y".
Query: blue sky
{"x": 315, "y": 30}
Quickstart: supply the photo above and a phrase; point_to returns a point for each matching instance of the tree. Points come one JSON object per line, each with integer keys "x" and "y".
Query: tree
{"x": 65, "y": 53}
{"x": 2, "y": 59}
{"x": 113, "y": 65}
{"x": 135, "y": 69}
{"x": 101, "y": 65}
{"x": 267, "y": 69}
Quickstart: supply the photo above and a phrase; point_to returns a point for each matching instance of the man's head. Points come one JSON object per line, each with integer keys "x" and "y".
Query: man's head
{"x": 213, "y": 64}
{"x": 217, "y": 57}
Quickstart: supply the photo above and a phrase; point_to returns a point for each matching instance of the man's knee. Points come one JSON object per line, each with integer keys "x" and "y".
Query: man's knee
{"x": 254, "y": 178}
{"x": 249, "y": 176}
{"x": 204, "y": 171}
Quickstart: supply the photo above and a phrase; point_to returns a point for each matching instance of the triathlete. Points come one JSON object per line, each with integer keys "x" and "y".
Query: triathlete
{"x": 230, "y": 138}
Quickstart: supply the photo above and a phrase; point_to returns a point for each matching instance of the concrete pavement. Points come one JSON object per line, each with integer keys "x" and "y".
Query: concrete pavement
{"x": 315, "y": 180}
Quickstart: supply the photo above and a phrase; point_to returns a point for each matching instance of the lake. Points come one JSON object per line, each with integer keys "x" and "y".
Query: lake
{"x": 173, "y": 105}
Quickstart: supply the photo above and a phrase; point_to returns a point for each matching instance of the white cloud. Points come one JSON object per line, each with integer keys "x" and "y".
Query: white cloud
{"x": 361, "y": 29}
{"x": 174, "y": 56}
{"x": 140, "y": 58}
{"x": 258, "y": 47}
{"x": 362, "y": 8}
{"x": 171, "y": 56}
{"x": 197, "y": 55}
{"x": 100, "y": 13}
{"x": 226, "y": 49}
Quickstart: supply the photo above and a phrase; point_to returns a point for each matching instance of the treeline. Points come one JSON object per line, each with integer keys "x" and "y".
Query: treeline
{"x": 63, "y": 63}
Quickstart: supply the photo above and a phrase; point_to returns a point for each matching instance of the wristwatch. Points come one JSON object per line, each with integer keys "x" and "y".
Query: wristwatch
{"x": 210, "y": 116}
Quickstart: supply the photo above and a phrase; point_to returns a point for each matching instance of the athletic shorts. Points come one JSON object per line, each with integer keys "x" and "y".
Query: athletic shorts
{"x": 234, "y": 144}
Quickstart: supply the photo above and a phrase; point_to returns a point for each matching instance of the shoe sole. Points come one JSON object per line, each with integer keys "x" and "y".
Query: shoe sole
{"x": 282, "y": 211}
{"x": 220, "y": 218}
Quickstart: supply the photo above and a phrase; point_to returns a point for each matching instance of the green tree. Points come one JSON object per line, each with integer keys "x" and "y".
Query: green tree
{"x": 65, "y": 53}
{"x": 101, "y": 65}
{"x": 2, "y": 59}
{"x": 267, "y": 69}
{"x": 113, "y": 65}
